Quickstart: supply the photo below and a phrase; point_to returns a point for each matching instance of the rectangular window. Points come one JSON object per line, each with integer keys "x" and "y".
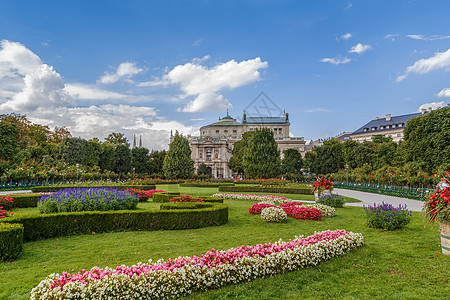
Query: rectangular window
{"x": 217, "y": 131}
{"x": 226, "y": 131}
{"x": 235, "y": 131}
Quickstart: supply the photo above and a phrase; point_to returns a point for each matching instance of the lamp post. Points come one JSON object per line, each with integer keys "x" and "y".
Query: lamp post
{"x": 346, "y": 166}
{"x": 77, "y": 170}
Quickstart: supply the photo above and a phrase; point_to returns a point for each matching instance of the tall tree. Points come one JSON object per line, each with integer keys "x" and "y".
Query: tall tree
{"x": 107, "y": 160}
{"x": 93, "y": 151}
{"x": 9, "y": 134}
{"x": 156, "y": 162}
{"x": 73, "y": 151}
{"x": 117, "y": 139}
{"x": 203, "y": 170}
{"x": 329, "y": 157}
{"x": 236, "y": 163}
{"x": 292, "y": 161}
{"x": 262, "y": 158}
{"x": 178, "y": 162}
{"x": 122, "y": 158}
{"x": 427, "y": 139}
{"x": 139, "y": 160}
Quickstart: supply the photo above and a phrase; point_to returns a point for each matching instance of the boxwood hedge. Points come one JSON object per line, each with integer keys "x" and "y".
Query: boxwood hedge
{"x": 161, "y": 197}
{"x": 206, "y": 184}
{"x": 52, "y": 225}
{"x": 24, "y": 201}
{"x": 50, "y": 188}
{"x": 264, "y": 189}
{"x": 11, "y": 240}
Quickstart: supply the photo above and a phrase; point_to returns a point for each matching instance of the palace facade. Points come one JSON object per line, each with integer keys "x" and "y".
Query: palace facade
{"x": 214, "y": 145}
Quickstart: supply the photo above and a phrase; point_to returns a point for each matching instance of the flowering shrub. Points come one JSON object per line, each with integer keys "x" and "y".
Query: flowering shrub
{"x": 271, "y": 199}
{"x": 439, "y": 205}
{"x": 387, "y": 217}
{"x": 6, "y": 202}
{"x": 327, "y": 211}
{"x": 186, "y": 198}
{"x": 332, "y": 200}
{"x": 87, "y": 199}
{"x": 143, "y": 195}
{"x": 184, "y": 275}
{"x": 322, "y": 184}
{"x": 273, "y": 214}
{"x": 292, "y": 209}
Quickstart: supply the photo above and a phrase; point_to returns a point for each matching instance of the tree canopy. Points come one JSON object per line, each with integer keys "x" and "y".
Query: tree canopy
{"x": 178, "y": 162}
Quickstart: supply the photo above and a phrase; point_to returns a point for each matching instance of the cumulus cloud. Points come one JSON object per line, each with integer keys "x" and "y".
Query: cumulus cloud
{"x": 360, "y": 48}
{"x": 336, "y": 61}
{"x": 124, "y": 70}
{"x": 428, "y": 38}
{"x": 444, "y": 93}
{"x": 346, "y": 36}
{"x": 440, "y": 60}
{"x": 205, "y": 84}
{"x": 432, "y": 105}
{"x": 28, "y": 86}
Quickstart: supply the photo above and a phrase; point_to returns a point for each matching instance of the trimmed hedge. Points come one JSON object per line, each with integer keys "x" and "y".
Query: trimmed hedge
{"x": 24, "y": 201}
{"x": 53, "y": 225}
{"x": 184, "y": 205}
{"x": 161, "y": 197}
{"x": 212, "y": 199}
{"x": 11, "y": 240}
{"x": 206, "y": 184}
{"x": 44, "y": 189}
{"x": 263, "y": 189}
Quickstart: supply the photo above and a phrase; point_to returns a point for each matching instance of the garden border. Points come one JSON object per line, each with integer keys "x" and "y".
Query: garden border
{"x": 263, "y": 189}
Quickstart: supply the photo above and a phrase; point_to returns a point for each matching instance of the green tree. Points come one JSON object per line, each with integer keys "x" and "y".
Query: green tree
{"x": 139, "y": 160}
{"x": 236, "y": 163}
{"x": 365, "y": 154}
{"x": 309, "y": 163}
{"x": 427, "y": 139}
{"x": 329, "y": 157}
{"x": 9, "y": 134}
{"x": 262, "y": 158}
{"x": 73, "y": 151}
{"x": 122, "y": 157}
{"x": 117, "y": 139}
{"x": 292, "y": 161}
{"x": 203, "y": 170}
{"x": 178, "y": 162}
{"x": 349, "y": 151}
{"x": 93, "y": 150}
{"x": 107, "y": 160}
{"x": 156, "y": 161}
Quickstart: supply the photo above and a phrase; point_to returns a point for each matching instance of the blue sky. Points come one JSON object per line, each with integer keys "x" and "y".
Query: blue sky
{"x": 147, "y": 67}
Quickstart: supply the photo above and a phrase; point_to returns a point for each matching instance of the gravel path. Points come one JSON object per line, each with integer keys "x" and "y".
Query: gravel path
{"x": 14, "y": 192}
{"x": 370, "y": 199}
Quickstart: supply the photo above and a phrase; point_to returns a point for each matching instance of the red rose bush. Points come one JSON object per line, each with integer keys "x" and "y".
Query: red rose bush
{"x": 182, "y": 276}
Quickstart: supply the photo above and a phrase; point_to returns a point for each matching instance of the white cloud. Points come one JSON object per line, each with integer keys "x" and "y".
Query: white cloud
{"x": 391, "y": 36}
{"x": 441, "y": 60}
{"x": 432, "y": 105}
{"x": 349, "y": 6}
{"x": 360, "y": 48}
{"x": 444, "y": 93}
{"x": 336, "y": 61}
{"x": 16, "y": 60}
{"x": 205, "y": 83}
{"x": 317, "y": 109}
{"x": 124, "y": 70}
{"x": 84, "y": 92}
{"x": 197, "y": 42}
{"x": 428, "y": 38}
{"x": 346, "y": 36}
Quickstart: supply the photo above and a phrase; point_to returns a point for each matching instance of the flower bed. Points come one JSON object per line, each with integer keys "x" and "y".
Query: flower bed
{"x": 270, "y": 199}
{"x": 327, "y": 211}
{"x": 438, "y": 206}
{"x": 267, "y": 189}
{"x": 273, "y": 214}
{"x": 184, "y": 275}
{"x": 292, "y": 209}
{"x": 332, "y": 200}
{"x": 142, "y": 194}
{"x": 6, "y": 203}
{"x": 185, "y": 198}
{"x": 387, "y": 217}
{"x": 120, "y": 186}
{"x": 87, "y": 199}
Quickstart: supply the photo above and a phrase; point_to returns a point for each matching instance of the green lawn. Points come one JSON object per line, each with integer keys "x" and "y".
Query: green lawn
{"x": 402, "y": 264}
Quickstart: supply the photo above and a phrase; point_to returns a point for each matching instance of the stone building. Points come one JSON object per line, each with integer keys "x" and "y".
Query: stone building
{"x": 214, "y": 145}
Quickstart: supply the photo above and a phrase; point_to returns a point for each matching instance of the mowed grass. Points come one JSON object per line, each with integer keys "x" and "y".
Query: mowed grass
{"x": 401, "y": 264}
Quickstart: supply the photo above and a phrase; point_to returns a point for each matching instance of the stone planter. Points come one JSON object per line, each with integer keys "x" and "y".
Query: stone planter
{"x": 445, "y": 237}
{"x": 324, "y": 193}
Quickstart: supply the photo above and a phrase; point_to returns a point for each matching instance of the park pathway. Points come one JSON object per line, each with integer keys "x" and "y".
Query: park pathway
{"x": 370, "y": 199}
{"x": 14, "y": 192}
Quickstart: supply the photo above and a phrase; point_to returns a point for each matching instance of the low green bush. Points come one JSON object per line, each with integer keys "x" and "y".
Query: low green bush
{"x": 184, "y": 205}
{"x": 24, "y": 201}
{"x": 53, "y": 225}
{"x": 54, "y": 188}
{"x": 265, "y": 189}
{"x": 332, "y": 200}
{"x": 161, "y": 197}
{"x": 212, "y": 199}
{"x": 206, "y": 184}
{"x": 11, "y": 240}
